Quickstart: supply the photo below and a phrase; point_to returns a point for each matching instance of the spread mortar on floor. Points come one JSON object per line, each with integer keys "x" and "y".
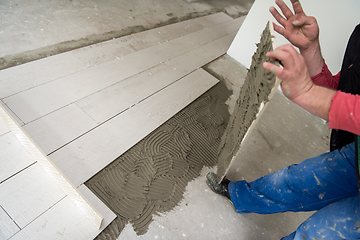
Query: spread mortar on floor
{"x": 253, "y": 95}
{"x": 151, "y": 177}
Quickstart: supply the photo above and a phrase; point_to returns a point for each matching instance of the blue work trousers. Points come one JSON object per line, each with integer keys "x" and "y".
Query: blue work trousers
{"x": 326, "y": 183}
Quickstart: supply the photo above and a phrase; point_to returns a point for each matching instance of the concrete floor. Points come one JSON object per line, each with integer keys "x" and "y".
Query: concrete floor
{"x": 31, "y": 30}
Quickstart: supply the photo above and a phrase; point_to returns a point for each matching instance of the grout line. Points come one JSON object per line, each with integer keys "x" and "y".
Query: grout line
{"x": 18, "y": 172}
{"x": 10, "y": 217}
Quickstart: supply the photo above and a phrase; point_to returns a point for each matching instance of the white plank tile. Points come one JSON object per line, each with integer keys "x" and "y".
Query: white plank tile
{"x": 128, "y": 92}
{"x": 36, "y": 102}
{"x": 109, "y": 50}
{"x": 20, "y": 78}
{"x": 166, "y": 103}
{"x": 18, "y": 120}
{"x": 66, "y": 124}
{"x": 56, "y": 129}
{"x": 7, "y": 226}
{"x": 14, "y": 156}
{"x": 87, "y": 155}
{"x": 64, "y": 221}
{"x": 108, "y": 215}
{"x": 60, "y": 127}
{"x": 28, "y": 194}
{"x": 52, "y": 171}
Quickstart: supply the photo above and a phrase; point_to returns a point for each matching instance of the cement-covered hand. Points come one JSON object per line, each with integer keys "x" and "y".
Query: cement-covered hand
{"x": 294, "y": 75}
{"x": 296, "y": 83}
{"x": 301, "y": 30}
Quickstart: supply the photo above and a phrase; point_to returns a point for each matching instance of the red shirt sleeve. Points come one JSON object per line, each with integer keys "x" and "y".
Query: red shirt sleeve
{"x": 344, "y": 112}
{"x": 326, "y": 79}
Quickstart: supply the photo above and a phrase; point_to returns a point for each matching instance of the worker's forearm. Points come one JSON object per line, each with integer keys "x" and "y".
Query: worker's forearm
{"x": 313, "y": 58}
{"x": 317, "y": 100}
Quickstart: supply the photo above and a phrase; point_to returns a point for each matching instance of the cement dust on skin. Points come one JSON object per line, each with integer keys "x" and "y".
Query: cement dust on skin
{"x": 151, "y": 177}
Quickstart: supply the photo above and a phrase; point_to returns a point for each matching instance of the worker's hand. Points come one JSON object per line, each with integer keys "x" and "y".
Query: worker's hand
{"x": 299, "y": 29}
{"x": 295, "y": 78}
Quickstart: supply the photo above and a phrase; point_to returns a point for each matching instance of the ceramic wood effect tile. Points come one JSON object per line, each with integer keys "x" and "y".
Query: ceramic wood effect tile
{"x": 20, "y": 78}
{"x": 87, "y": 155}
{"x": 28, "y": 194}
{"x": 36, "y": 102}
{"x": 62, "y": 126}
{"x": 14, "y": 156}
{"x": 100, "y": 105}
{"x": 7, "y": 226}
{"x": 166, "y": 103}
{"x": 69, "y": 223}
{"x": 66, "y": 124}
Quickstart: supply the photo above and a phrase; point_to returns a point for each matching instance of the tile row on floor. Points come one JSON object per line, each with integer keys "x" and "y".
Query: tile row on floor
{"x": 86, "y": 107}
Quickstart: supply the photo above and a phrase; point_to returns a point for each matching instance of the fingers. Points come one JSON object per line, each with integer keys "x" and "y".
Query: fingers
{"x": 279, "y": 18}
{"x": 288, "y": 57}
{"x": 299, "y": 13}
{"x": 285, "y": 53}
{"x": 273, "y": 68}
{"x": 297, "y": 7}
{"x": 279, "y": 29}
{"x": 284, "y": 9}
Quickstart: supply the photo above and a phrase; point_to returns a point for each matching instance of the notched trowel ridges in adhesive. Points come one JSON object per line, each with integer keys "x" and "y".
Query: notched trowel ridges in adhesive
{"x": 151, "y": 177}
{"x": 256, "y": 91}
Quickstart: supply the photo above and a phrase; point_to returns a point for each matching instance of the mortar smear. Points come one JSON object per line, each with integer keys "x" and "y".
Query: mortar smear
{"x": 151, "y": 177}
{"x": 255, "y": 91}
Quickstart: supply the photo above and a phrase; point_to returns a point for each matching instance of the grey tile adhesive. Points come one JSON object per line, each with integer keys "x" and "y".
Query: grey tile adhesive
{"x": 151, "y": 177}
{"x": 258, "y": 87}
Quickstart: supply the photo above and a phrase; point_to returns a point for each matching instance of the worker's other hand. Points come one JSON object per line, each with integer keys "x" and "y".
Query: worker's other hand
{"x": 299, "y": 29}
{"x": 295, "y": 78}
